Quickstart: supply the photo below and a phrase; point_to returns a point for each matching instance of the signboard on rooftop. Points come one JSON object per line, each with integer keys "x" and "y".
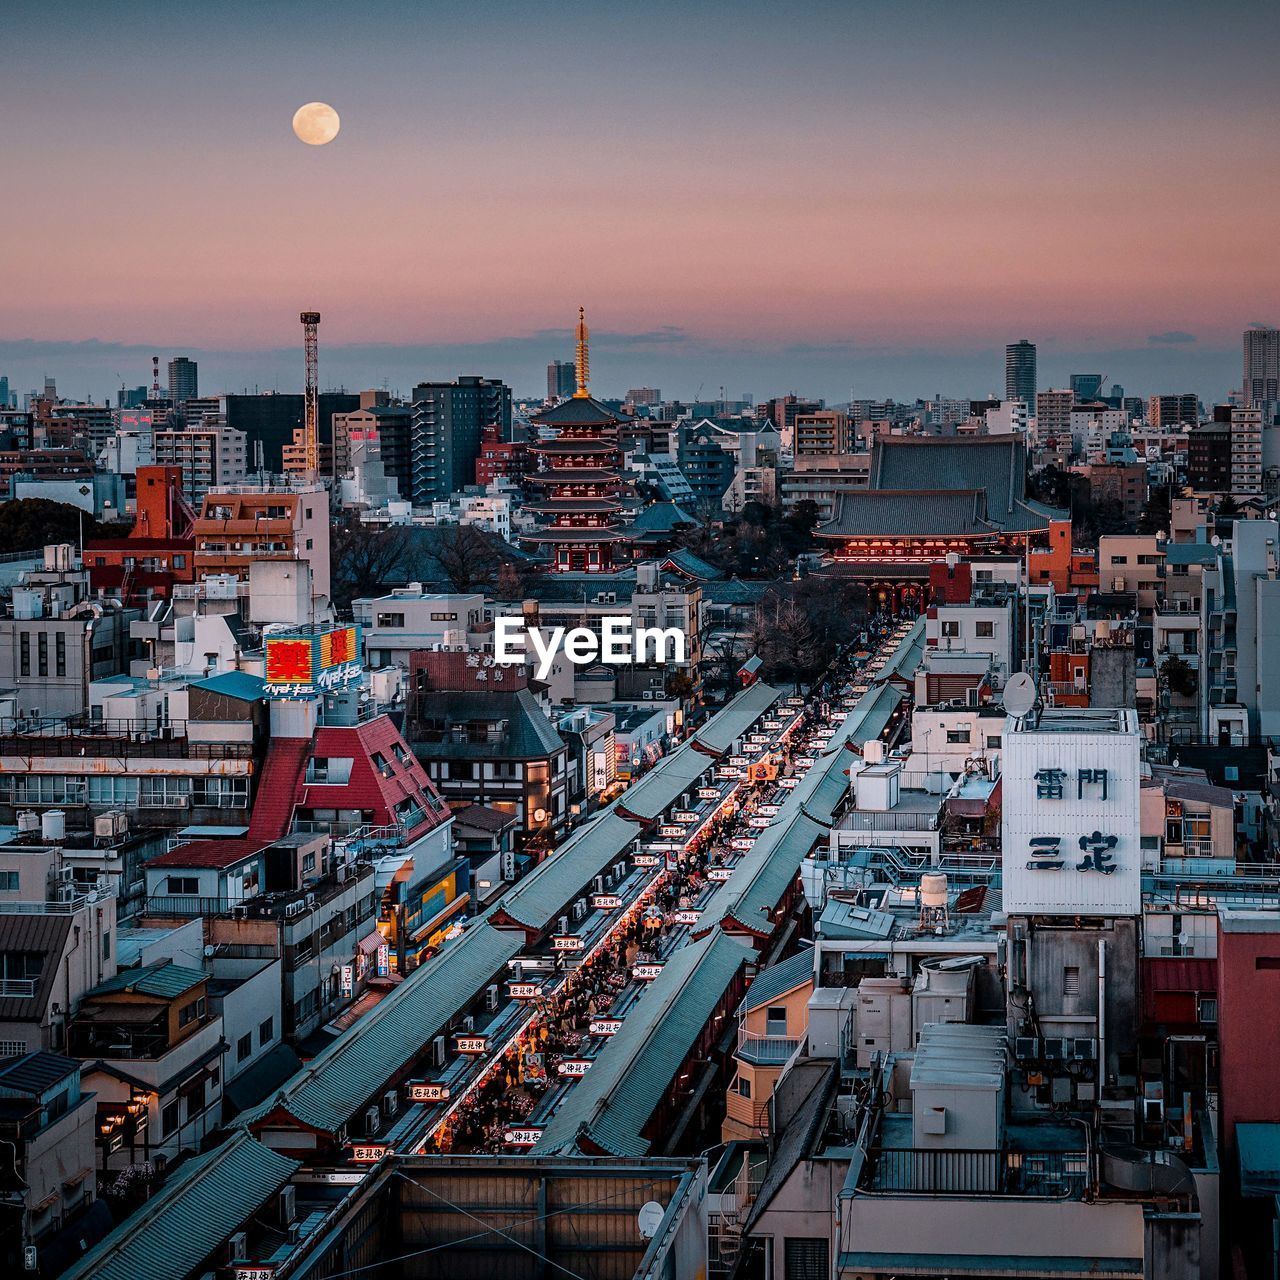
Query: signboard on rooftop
{"x": 304, "y": 663}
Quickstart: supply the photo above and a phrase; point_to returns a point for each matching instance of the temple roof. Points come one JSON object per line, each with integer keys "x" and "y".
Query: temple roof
{"x": 573, "y": 475}
{"x": 582, "y": 411}
{"x": 996, "y": 465}
{"x": 914, "y": 513}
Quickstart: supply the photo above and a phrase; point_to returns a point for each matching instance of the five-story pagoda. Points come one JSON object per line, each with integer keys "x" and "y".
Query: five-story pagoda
{"x": 579, "y": 478}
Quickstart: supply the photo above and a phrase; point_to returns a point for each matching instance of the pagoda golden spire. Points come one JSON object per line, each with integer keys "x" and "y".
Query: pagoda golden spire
{"x": 582, "y": 361}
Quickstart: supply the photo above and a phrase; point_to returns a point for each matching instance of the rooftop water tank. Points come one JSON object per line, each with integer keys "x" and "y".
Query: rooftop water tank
{"x": 53, "y": 824}
{"x": 933, "y": 889}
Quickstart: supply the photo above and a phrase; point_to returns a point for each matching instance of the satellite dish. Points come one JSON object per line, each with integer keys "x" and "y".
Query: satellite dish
{"x": 650, "y": 1219}
{"x": 1019, "y": 694}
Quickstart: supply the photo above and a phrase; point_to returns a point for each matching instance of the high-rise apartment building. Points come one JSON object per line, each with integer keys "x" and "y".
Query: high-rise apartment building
{"x": 1246, "y": 446}
{"x": 183, "y": 383}
{"x": 1261, "y": 385}
{"x": 561, "y": 379}
{"x": 1020, "y": 371}
{"x": 1169, "y": 411}
{"x": 1053, "y": 415}
{"x": 644, "y": 396}
{"x": 447, "y": 423}
{"x": 783, "y": 411}
{"x": 823, "y": 433}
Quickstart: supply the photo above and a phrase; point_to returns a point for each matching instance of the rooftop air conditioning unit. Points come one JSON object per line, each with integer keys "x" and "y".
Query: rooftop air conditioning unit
{"x": 372, "y": 1121}
{"x": 1084, "y": 1049}
{"x": 288, "y": 1204}
{"x": 104, "y": 826}
{"x": 238, "y": 1247}
{"x": 438, "y": 1051}
{"x": 579, "y": 909}
{"x": 468, "y": 1025}
{"x": 1057, "y": 1049}
{"x": 293, "y": 908}
{"x": 562, "y": 925}
{"x": 28, "y": 820}
{"x": 1026, "y": 1048}
{"x": 390, "y": 1103}
{"x": 599, "y": 883}
{"x": 491, "y": 997}
{"x": 647, "y": 694}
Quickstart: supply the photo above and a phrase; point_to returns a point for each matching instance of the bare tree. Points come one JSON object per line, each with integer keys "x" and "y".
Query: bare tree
{"x": 470, "y": 558}
{"x": 366, "y": 559}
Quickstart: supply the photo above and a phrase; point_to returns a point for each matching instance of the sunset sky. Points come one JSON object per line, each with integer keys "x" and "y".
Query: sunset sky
{"x": 809, "y": 196}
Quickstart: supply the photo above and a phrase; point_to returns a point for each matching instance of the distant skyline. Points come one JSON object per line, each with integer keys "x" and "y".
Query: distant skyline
{"x": 766, "y": 188}
{"x": 673, "y": 361}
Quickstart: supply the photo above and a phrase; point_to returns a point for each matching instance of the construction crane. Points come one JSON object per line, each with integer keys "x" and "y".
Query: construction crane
{"x": 311, "y": 354}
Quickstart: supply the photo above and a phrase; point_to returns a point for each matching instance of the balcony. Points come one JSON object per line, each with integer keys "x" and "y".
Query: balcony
{"x": 1049, "y": 1175}
{"x": 764, "y": 1051}
{"x": 118, "y": 738}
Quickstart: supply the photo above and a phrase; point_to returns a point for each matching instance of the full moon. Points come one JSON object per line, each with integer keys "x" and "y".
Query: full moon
{"x": 316, "y": 123}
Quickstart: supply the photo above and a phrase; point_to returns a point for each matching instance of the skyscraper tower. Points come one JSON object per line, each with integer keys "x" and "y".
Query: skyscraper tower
{"x": 1261, "y": 385}
{"x": 560, "y": 379}
{"x": 183, "y": 384}
{"x": 1020, "y": 371}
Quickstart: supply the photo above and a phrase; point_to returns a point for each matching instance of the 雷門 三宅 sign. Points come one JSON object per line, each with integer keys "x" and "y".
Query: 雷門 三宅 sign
{"x": 304, "y": 662}
{"x": 1070, "y": 826}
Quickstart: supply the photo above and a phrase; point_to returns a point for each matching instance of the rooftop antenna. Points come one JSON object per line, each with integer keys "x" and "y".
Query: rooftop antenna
{"x": 582, "y": 360}
{"x": 1020, "y": 695}
{"x": 155, "y": 377}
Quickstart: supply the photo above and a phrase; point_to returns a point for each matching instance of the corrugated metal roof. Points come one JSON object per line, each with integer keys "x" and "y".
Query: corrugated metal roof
{"x": 161, "y": 978}
{"x": 1083, "y": 1267}
{"x": 612, "y": 1103}
{"x": 779, "y": 978}
{"x": 543, "y": 894}
{"x": 719, "y": 733}
{"x": 204, "y": 1202}
{"x": 33, "y": 1073}
{"x": 42, "y": 934}
{"x": 335, "y": 1084}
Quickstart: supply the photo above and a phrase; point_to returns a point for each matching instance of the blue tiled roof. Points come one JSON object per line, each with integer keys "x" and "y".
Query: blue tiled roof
{"x": 233, "y": 684}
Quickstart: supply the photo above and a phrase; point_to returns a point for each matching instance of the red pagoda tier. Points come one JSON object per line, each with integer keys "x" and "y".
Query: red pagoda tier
{"x": 580, "y": 482}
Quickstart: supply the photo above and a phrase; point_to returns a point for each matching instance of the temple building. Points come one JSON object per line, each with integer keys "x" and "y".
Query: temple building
{"x": 928, "y": 497}
{"x": 579, "y": 474}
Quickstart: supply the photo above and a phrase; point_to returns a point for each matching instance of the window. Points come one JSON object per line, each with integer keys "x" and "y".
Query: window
{"x": 184, "y": 884}
{"x": 981, "y": 628}
{"x": 12, "y": 1048}
{"x": 24, "y": 654}
{"x": 950, "y": 628}
{"x": 266, "y": 1031}
{"x": 42, "y": 654}
{"x": 20, "y": 966}
{"x": 1071, "y": 980}
{"x": 1119, "y": 559}
{"x": 1266, "y": 962}
{"x": 106, "y": 945}
{"x": 993, "y": 741}
{"x": 192, "y": 1012}
{"x": 805, "y": 1258}
{"x": 958, "y": 734}
{"x": 8, "y": 882}
{"x": 1208, "y": 1010}
{"x": 60, "y": 654}
{"x": 244, "y": 1046}
{"x": 743, "y": 1086}
{"x": 308, "y": 862}
{"x": 775, "y": 1020}
{"x": 169, "y": 1119}
{"x": 391, "y": 619}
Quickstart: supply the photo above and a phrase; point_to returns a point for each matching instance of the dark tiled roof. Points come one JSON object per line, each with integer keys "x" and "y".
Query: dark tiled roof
{"x": 578, "y": 411}
{"x": 530, "y": 735}
{"x": 685, "y": 561}
{"x": 661, "y": 517}
{"x": 45, "y": 935}
{"x": 208, "y": 853}
{"x": 779, "y": 978}
{"x": 481, "y": 818}
{"x": 921, "y": 513}
{"x": 996, "y": 465}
